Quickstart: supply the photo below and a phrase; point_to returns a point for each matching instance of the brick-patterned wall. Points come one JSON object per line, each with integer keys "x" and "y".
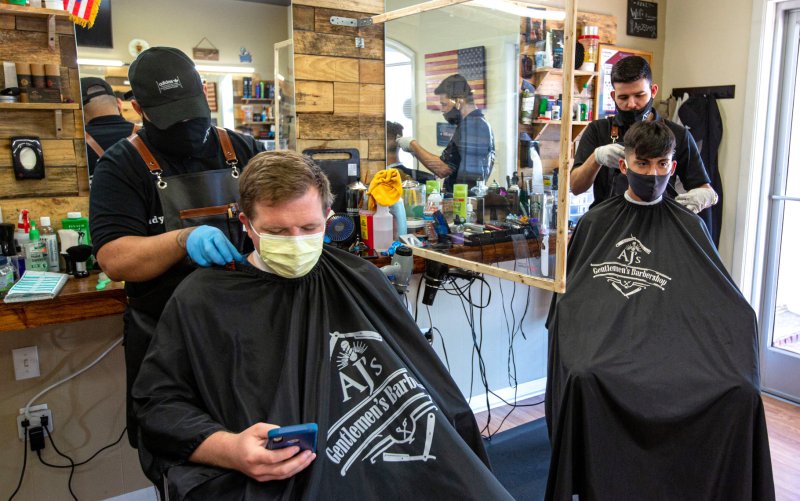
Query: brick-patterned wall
{"x": 340, "y": 88}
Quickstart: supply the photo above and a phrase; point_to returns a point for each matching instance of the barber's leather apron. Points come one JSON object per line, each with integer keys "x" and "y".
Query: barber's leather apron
{"x": 187, "y": 200}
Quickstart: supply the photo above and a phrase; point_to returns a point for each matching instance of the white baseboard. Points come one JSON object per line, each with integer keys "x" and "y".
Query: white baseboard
{"x": 146, "y": 494}
{"x": 524, "y": 391}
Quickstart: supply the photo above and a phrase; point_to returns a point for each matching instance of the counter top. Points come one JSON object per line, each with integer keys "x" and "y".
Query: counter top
{"x": 79, "y": 300}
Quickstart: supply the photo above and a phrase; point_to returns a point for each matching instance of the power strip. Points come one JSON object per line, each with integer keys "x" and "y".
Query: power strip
{"x": 36, "y": 412}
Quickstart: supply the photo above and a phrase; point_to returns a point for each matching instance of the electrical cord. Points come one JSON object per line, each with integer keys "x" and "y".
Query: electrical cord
{"x": 25, "y": 424}
{"x": 76, "y": 374}
{"x": 81, "y": 463}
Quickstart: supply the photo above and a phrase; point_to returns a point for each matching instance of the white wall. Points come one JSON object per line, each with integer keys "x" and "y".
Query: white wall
{"x": 228, "y": 24}
{"x": 707, "y": 43}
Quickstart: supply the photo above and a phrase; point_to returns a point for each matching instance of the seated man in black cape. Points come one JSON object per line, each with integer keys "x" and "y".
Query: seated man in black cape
{"x": 653, "y": 383}
{"x": 301, "y": 334}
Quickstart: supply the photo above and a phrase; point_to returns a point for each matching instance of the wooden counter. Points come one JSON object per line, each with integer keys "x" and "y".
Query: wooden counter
{"x": 78, "y": 300}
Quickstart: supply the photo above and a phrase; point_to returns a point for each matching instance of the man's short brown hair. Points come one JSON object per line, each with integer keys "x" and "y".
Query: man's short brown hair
{"x": 275, "y": 177}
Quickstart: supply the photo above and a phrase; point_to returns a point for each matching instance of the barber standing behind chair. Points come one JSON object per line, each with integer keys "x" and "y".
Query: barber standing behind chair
{"x": 601, "y": 148}
{"x": 469, "y": 155}
{"x": 102, "y": 113}
{"x": 165, "y": 194}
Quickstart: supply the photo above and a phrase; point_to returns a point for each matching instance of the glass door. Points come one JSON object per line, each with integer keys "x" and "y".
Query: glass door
{"x": 780, "y": 318}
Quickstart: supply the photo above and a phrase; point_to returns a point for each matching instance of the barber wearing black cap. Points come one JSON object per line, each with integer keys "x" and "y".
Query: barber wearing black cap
{"x": 469, "y": 156}
{"x": 102, "y": 114}
{"x": 164, "y": 200}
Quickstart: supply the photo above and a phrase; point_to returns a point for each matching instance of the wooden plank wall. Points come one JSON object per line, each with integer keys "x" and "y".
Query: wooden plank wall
{"x": 340, "y": 88}
{"x": 66, "y": 185}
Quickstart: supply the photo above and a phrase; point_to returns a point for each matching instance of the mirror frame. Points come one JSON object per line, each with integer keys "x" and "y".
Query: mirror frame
{"x": 559, "y": 282}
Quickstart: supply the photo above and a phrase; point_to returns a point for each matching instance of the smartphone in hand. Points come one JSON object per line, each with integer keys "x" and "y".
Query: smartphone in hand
{"x": 301, "y": 435}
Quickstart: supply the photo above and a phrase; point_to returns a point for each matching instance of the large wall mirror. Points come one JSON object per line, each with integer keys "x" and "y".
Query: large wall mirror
{"x": 518, "y": 227}
{"x": 125, "y": 28}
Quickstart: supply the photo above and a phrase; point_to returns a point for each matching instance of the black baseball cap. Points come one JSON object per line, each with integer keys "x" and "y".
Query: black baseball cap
{"x": 91, "y": 87}
{"x": 167, "y": 86}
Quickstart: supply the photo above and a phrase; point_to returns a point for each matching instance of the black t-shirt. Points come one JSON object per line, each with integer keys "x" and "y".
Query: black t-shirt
{"x": 611, "y": 182}
{"x": 106, "y": 130}
{"x": 124, "y": 202}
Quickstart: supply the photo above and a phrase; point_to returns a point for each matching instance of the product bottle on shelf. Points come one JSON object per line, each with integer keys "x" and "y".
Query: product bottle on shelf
{"x": 264, "y": 114}
{"x": 382, "y": 223}
{"x": 35, "y": 251}
{"x": 354, "y": 195}
{"x": 48, "y": 236}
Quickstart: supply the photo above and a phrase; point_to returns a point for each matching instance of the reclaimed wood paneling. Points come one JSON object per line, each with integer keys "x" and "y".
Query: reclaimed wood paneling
{"x": 314, "y": 97}
{"x": 323, "y": 44}
{"x": 302, "y": 17}
{"x": 362, "y": 145}
{"x": 40, "y": 123}
{"x": 318, "y": 126}
{"x": 54, "y": 207}
{"x": 32, "y": 45}
{"x": 322, "y": 24}
{"x": 346, "y": 98}
{"x": 377, "y": 149}
{"x": 56, "y": 153}
{"x": 58, "y": 181}
{"x": 7, "y": 22}
{"x": 371, "y": 71}
{"x": 371, "y": 100}
{"x": 358, "y": 99}
{"x": 330, "y": 69}
{"x": 63, "y": 26}
{"x": 372, "y": 168}
{"x": 365, "y": 6}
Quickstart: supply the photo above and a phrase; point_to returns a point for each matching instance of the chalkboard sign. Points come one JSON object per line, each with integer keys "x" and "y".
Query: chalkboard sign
{"x": 642, "y": 19}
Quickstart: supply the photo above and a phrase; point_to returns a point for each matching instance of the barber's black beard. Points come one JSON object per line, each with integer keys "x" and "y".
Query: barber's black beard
{"x": 184, "y": 139}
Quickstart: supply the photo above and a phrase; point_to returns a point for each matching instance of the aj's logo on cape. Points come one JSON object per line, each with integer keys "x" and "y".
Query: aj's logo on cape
{"x": 623, "y": 275}
{"x": 383, "y": 409}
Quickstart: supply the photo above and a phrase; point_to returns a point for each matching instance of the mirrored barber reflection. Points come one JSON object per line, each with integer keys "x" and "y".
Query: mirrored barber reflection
{"x": 164, "y": 201}
{"x": 102, "y": 115}
{"x": 469, "y": 156}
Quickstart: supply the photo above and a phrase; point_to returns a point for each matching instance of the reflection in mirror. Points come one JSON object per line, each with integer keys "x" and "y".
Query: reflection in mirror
{"x": 245, "y": 56}
{"x": 453, "y": 84}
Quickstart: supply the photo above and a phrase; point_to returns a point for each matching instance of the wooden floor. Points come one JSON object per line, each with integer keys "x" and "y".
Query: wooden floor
{"x": 783, "y": 427}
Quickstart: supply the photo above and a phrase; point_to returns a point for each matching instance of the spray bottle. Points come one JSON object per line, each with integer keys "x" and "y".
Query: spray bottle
{"x": 382, "y": 223}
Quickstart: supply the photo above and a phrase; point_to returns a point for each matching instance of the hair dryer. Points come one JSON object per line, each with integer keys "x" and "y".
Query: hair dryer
{"x": 435, "y": 272}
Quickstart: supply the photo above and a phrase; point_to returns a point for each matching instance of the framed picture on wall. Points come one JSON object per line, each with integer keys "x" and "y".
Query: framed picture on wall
{"x": 610, "y": 54}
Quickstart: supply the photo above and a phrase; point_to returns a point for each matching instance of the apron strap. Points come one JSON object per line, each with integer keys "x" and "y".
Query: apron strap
{"x": 226, "y": 145}
{"x": 144, "y": 152}
{"x": 93, "y": 144}
{"x": 135, "y": 128}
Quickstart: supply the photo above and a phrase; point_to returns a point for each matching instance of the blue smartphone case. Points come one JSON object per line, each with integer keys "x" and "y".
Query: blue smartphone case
{"x": 301, "y": 435}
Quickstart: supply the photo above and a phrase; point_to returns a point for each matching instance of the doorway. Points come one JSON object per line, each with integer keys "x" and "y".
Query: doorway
{"x": 780, "y": 312}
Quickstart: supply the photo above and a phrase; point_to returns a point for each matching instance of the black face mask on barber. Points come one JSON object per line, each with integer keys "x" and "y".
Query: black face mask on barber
{"x": 630, "y": 117}
{"x": 183, "y": 139}
{"x": 453, "y": 116}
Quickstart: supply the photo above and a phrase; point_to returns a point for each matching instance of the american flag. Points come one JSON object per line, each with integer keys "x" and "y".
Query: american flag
{"x": 82, "y": 12}
{"x": 470, "y": 63}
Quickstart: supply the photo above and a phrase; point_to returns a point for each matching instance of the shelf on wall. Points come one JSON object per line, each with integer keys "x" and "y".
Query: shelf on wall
{"x": 259, "y": 99}
{"x": 40, "y": 106}
{"x": 20, "y": 10}
{"x": 263, "y": 122}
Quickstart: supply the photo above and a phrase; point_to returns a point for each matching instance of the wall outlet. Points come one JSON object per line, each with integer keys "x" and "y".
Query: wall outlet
{"x": 26, "y": 362}
{"x": 37, "y": 411}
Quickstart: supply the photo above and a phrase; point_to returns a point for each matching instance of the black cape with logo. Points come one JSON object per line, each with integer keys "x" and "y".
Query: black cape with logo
{"x": 653, "y": 385}
{"x": 336, "y": 347}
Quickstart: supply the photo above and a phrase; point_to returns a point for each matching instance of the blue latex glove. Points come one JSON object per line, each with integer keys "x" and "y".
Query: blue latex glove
{"x": 207, "y": 246}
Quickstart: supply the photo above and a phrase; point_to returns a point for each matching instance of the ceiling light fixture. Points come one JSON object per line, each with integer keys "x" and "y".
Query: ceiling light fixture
{"x": 214, "y": 68}
{"x": 88, "y": 61}
{"x": 520, "y": 9}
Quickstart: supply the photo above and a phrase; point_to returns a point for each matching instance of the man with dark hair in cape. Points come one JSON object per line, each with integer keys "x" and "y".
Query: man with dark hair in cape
{"x": 300, "y": 334}
{"x": 653, "y": 383}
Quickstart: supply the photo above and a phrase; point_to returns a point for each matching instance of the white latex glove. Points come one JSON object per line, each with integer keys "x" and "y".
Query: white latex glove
{"x": 697, "y": 199}
{"x": 610, "y": 155}
{"x": 405, "y": 143}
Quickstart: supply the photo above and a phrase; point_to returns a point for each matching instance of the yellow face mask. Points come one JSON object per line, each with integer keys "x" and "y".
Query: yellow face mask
{"x": 290, "y": 256}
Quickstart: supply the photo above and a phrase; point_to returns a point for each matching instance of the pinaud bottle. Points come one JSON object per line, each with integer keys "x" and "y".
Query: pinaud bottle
{"x": 48, "y": 236}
